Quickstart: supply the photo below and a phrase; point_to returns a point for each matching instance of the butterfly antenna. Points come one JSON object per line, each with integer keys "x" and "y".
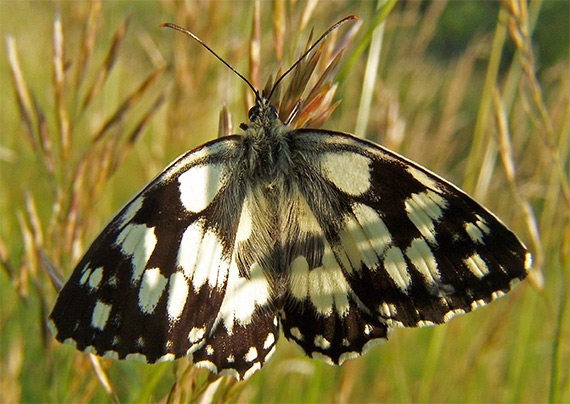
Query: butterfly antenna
{"x": 177, "y": 28}
{"x": 335, "y": 26}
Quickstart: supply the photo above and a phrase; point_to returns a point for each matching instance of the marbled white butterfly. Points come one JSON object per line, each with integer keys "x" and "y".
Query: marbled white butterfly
{"x": 331, "y": 238}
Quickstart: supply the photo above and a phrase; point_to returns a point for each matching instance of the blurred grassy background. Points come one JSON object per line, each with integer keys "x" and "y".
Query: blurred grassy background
{"x": 476, "y": 91}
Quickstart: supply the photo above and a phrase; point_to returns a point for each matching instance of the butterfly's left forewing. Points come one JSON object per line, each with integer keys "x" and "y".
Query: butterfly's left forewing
{"x": 406, "y": 247}
{"x": 162, "y": 280}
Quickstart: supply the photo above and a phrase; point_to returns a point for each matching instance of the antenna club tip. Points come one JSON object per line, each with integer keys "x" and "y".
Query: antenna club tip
{"x": 169, "y": 25}
{"x": 349, "y": 18}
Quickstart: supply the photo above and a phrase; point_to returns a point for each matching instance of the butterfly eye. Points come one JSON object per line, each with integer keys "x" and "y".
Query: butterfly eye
{"x": 253, "y": 112}
{"x": 273, "y": 112}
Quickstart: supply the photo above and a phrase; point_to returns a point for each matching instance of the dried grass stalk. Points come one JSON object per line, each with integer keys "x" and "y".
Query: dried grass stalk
{"x": 279, "y": 26}
{"x": 44, "y": 136}
{"x": 59, "y": 86}
{"x": 103, "y": 378}
{"x": 87, "y": 41}
{"x": 518, "y": 27}
{"x": 108, "y": 63}
{"x": 23, "y": 98}
{"x": 126, "y": 104}
{"x": 225, "y": 122}
{"x": 507, "y": 157}
{"x": 122, "y": 152}
{"x": 307, "y": 13}
{"x": 254, "y": 53}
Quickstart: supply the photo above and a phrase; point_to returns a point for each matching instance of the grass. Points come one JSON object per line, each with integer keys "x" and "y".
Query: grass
{"x": 97, "y": 99}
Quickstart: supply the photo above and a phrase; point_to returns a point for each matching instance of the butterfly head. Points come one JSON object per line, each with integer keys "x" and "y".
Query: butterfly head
{"x": 262, "y": 114}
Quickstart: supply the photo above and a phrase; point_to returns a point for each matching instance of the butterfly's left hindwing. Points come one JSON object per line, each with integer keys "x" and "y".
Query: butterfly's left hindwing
{"x": 400, "y": 247}
{"x": 162, "y": 279}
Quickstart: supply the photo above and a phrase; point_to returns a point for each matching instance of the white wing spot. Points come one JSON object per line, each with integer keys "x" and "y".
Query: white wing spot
{"x": 85, "y": 275}
{"x": 131, "y": 211}
{"x": 452, "y": 314}
{"x": 254, "y": 368}
{"x": 325, "y": 286}
{"x": 423, "y": 260}
{"x": 209, "y": 350}
{"x": 306, "y": 220}
{"x": 207, "y": 365}
{"x": 90, "y": 349}
{"x": 177, "y": 295}
{"x": 270, "y": 340}
{"x": 136, "y": 357}
{"x": 193, "y": 348}
{"x": 138, "y": 242}
{"x": 395, "y": 265}
{"x": 95, "y": 278}
{"x": 100, "y": 315}
{"x": 295, "y": 332}
{"x": 527, "y": 266}
{"x": 365, "y": 237}
{"x": 425, "y": 323}
{"x": 348, "y": 355}
{"x": 477, "y": 303}
{"x": 424, "y": 209}
{"x": 243, "y": 295}
{"x": 166, "y": 358}
{"x": 231, "y": 359}
{"x": 476, "y": 265}
{"x": 513, "y": 282}
{"x": 349, "y": 171}
{"x": 209, "y": 264}
{"x": 298, "y": 285}
{"x": 189, "y": 248}
{"x": 475, "y": 234}
{"x": 422, "y": 177}
{"x": 111, "y": 355}
{"x": 251, "y": 355}
{"x": 200, "y": 257}
{"x": 497, "y": 294}
{"x": 196, "y": 334}
{"x": 482, "y": 224}
{"x": 245, "y": 221}
{"x": 199, "y": 185}
{"x": 322, "y": 342}
{"x": 152, "y": 287}
{"x": 387, "y": 310}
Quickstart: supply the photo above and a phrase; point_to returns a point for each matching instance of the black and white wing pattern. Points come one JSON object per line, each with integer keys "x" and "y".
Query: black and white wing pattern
{"x": 165, "y": 278}
{"x": 381, "y": 242}
{"x": 335, "y": 239}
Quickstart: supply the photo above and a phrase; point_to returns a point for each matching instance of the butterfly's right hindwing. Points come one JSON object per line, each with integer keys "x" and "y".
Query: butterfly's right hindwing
{"x": 158, "y": 282}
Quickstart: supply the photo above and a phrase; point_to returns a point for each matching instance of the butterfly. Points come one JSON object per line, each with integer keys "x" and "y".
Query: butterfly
{"x": 332, "y": 239}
